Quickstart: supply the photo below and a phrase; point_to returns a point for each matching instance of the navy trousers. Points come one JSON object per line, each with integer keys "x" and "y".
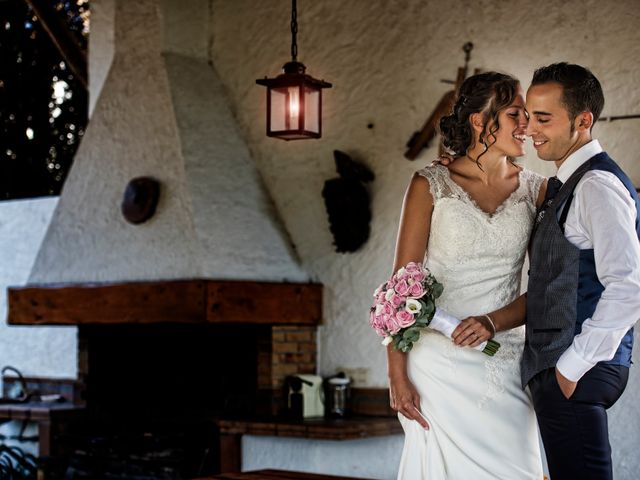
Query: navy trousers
{"x": 575, "y": 431}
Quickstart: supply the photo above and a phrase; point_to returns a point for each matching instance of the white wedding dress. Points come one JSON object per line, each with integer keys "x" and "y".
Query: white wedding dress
{"x": 482, "y": 423}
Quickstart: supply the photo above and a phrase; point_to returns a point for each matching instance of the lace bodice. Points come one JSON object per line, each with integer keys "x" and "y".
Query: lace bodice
{"x": 478, "y": 256}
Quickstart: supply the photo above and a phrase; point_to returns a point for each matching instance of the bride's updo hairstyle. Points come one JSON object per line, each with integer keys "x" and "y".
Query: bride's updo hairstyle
{"x": 487, "y": 93}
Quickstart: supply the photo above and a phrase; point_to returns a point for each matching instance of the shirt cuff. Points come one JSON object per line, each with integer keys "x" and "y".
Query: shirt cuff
{"x": 572, "y": 366}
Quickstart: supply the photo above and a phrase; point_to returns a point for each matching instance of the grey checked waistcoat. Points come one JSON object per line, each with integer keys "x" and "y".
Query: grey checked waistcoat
{"x": 563, "y": 286}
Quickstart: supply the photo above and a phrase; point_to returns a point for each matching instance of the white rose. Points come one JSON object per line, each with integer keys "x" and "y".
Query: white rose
{"x": 401, "y": 272}
{"x": 379, "y": 309}
{"x": 412, "y": 306}
{"x": 387, "y": 341}
{"x": 389, "y": 294}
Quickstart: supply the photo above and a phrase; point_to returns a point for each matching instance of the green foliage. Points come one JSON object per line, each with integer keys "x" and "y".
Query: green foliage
{"x": 429, "y": 307}
{"x": 491, "y": 348}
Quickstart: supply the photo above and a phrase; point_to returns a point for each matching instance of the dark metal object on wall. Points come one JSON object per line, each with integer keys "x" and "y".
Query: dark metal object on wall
{"x": 348, "y": 203}
{"x": 140, "y": 199}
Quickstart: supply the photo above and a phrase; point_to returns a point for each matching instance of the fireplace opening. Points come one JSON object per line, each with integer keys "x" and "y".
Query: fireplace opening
{"x": 170, "y": 371}
{"x": 153, "y": 394}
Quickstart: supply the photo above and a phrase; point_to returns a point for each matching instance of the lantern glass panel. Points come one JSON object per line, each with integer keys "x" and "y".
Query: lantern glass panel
{"x": 278, "y": 98}
{"x": 285, "y": 109}
{"x": 312, "y": 109}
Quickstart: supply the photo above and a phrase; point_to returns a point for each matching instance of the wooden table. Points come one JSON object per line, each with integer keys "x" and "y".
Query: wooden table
{"x": 48, "y": 416}
{"x": 351, "y": 428}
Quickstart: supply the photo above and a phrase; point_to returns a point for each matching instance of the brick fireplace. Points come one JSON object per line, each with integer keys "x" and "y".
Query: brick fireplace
{"x": 168, "y": 360}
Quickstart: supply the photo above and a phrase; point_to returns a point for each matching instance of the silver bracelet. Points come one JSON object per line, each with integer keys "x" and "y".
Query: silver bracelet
{"x": 493, "y": 325}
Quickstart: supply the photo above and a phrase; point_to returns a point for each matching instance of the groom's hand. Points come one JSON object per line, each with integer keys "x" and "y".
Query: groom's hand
{"x": 567, "y": 387}
{"x": 444, "y": 160}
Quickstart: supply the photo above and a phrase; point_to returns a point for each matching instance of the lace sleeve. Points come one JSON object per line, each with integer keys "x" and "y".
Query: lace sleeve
{"x": 434, "y": 175}
{"x": 534, "y": 182}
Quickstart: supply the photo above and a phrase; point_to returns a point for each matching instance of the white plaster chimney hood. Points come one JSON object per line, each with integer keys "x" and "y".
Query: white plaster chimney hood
{"x": 162, "y": 112}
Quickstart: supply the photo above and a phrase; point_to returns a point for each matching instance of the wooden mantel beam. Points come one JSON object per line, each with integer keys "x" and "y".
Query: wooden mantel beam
{"x": 171, "y": 301}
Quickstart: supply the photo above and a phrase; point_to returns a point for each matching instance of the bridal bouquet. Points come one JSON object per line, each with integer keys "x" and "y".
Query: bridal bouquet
{"x": 407, "y": 303}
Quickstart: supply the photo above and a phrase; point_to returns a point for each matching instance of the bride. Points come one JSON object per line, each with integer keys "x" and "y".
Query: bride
{"x": 465, "y": 414}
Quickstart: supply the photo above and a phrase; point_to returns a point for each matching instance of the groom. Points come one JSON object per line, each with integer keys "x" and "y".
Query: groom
{"x": 584, "y": 282}
{"x": 584, "y": 285}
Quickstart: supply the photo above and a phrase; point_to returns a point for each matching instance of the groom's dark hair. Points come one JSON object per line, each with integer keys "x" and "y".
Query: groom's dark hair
{"x": 581, "y": 90}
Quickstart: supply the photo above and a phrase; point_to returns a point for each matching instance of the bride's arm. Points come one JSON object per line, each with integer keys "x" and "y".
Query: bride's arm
{"x": 411, "y": 245}
{"x": 510, "y": 316}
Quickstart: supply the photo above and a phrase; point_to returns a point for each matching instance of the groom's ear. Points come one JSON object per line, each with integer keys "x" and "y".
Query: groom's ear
{"x": 584, "y": 121}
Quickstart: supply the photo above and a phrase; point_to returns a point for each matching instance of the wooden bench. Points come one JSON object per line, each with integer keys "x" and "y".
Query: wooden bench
{"x": 275, "y": 475}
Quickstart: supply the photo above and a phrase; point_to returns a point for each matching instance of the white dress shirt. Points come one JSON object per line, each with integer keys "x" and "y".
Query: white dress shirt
{"x": 602, "y": 216}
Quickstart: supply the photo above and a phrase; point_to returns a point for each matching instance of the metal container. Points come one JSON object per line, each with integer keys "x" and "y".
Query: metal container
{"x": 338, "y": 392}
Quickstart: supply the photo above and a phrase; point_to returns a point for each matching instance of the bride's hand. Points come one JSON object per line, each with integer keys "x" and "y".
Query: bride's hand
{"x": 472, "y": 331}
{"x": 406, "y": 400}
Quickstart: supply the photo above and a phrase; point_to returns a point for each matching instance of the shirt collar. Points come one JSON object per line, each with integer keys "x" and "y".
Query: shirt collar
{"x": 577, "y": 158}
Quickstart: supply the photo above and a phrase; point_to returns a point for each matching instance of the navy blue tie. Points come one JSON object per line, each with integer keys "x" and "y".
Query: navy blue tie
{"x": 553, "y": 187}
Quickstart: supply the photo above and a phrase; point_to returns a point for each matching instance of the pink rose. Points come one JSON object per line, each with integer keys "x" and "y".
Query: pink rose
{"x": 418, "y": 276}
{"x": 413, "y": 267}
{"x": 405, "y": 319}
{"x": 380, "y": 323}
{"x": 372, "y": 318}
{"x": 416, "y": 290}
{"x": 404, "y": 277}
{"x": 391, "y": 324}
{"x": 402, "y": 288}
{"x": 388, "y": 309}
{"x": 380, "y": 298}
{"x": 379, "y": 326}
{"x": 397, "y": 300}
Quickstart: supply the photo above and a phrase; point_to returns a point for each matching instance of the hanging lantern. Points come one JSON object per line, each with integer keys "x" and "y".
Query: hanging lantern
{"x": 294, "y": 99}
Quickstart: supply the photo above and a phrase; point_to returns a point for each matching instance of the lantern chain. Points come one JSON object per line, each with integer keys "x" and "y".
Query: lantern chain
{"x": 294, "y": 31}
